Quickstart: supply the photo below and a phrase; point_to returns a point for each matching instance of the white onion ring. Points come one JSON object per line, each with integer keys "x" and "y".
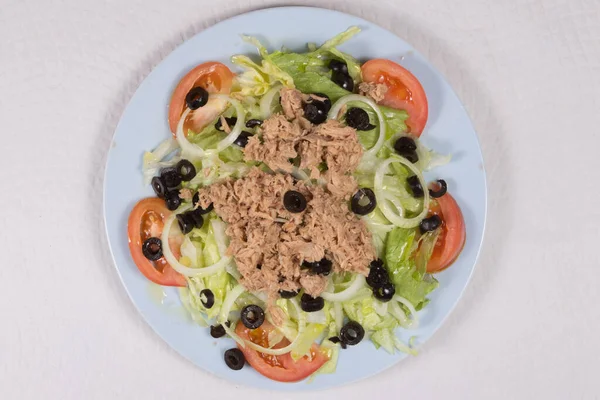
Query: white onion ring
{"x": 414, "y": 319}
{"x": 226, "y": 307}
{"x": 267, "y": 100}
{"x": 179, "y": 267}
{"x": 345, "y": 295}
{"x": 335, "y": 109}
{"x": 381, "y": 196}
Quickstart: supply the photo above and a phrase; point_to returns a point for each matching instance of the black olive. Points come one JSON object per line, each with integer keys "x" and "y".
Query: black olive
{"x": 338, "y": 66}
{"x": 322, "y": 267}
{"x": 231, "y": 121}
{"x": 352, "y": 333}
{"x": 415, "y": 186}
{"x": 405, "y": 144}
{"x": 343, "y": 80}
{"x": 152, "y": 248}
{"x": 441, "y": 191}
{"x": 315, "y": 112}
{"x": 363, "y": 201}
{"x": 172, "y": 199}
{"x": 430, "y": 224}
{"x": 322, "y": 98}
{"x": 251, "y": 123}
{"x": 411, "y": 156}
{"x": 334, "y": 339}
{"x": 234, "y": 358}
{"x": 252, "y": 316}
{"x": 294, "y": 202}
{"x": 186, "y": 170}
{"x": 384, "y": 292}
{"x": 217, "y": 331}
{"x": 376, "y": 263}
{"x": 311, "y": 304}
{"x": 259, "y": 267}
{"x": 196, "y": 217}
{"x": 186, "y": 223}
{"x": 170, "y": 177}
{"x": 195, "y": 201}
{"x": 358, "y": 119}
{"x": 242, "y": 139}
{"x": 378, "y": 275}
{"x": 286, "y": 294}
{"x": 207, "y": 298}
{"x": 196, "y": 98}
{"x": 159, "y": 187}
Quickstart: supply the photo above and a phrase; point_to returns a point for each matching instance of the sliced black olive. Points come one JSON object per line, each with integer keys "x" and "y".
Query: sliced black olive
{"x": 315, "y": 112}
{"x": 242, "y": 139}
{"x": 159, "y": 187}
{"x": 352, "y": 333}
{"x": 430, "y": 224}
{"x": 338, "y": 66}
{"x": 252, "y": 316}
{"x": 311, "y": 304}
{"x": 384, "y": 292}
{"x": 186, "y": 170}
{"x": 207, "y": 298}
{"x": 231, "y": 121}
{"x": 415, "y": 186}
{"x": 196, "y": 217}
{"x": 343, "y": 80}
{"x": 294, "y": 202}
{"x": 251, "y": 123}
{"x": 436, "y": 194}
{"x": 234, "y": 358}
{"x": 322, "y": 267}
{"x": 186, "y": 223}
{"x": 322, "y": 98}
{"x": 358, "y": 119}
{"x": 172, "y": 199}
{"x": 196, "y": 98}
{"x": 363, "y": 201}
{"x": 411, "y": 156}
{"x": 405, "y": 144}
{"x": 195, "y": 201}
{"x": 170, "y": 177}
{"x": 152, "y": 248}
{"x": 286, "y": 294}
{"x": 217, "y": 331}
{"x": 378, "y": 275}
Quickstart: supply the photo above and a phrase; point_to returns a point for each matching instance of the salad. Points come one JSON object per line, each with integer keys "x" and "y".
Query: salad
{"x": 291, "y": 208}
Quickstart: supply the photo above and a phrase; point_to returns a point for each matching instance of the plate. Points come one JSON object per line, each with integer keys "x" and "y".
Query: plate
{"x": 144, "y": 125}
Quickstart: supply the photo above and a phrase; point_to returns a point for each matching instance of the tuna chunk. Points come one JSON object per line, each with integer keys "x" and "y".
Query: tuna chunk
{"x": 375, "y": 91}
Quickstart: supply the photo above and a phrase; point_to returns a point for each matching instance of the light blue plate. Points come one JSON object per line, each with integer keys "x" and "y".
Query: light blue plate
{"x": 144, "y": 125}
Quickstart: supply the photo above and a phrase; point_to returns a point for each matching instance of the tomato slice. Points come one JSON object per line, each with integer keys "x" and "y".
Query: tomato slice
{"x": 279, "y": 368}
{"x": 453, "y": 235}
{"x": 404, "y": 91}
{"x": 212, "y": 76}
{"x": 145, "y": 221}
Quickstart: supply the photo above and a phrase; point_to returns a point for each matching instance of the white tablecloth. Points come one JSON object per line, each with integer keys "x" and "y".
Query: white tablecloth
{"x": 528, "y": 73}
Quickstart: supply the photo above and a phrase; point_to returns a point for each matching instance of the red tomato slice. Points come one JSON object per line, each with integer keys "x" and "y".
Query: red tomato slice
{"x": 212, "y": 76}
{"x": 404, "y": 91}
{"x": 279, "y": 368}
{"x": 453, "y": 235}
{"x": 145, "y": 221}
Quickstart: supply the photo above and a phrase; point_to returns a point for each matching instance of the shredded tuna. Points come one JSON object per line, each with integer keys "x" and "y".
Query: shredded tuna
{"x": 291, "y": 102}
{"x": 224, "y": 124}
{"x": 269, "y": 252}
{"x": 186, "y": 193}
{"x": 375, "y": 91}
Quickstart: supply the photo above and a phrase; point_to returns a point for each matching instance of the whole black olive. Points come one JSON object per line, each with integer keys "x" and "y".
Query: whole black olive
{"x": 415, "y": 186}
{"x": 195, "y": 201}
{"x": 231, "y": 121}
{"x": 405, "y": 144}
{"x": 294, "y": 202}
{"x": 443, "y": 188}
{"x": 338, "y": 66}
{"x": 430, "y": 224}
{"x": 251, "y": 123}
{"x": 172, "y": 199}
{"x": 170, "y": 177}
{"x": 358, "y": 119}
{"x": 159, "y": 187}
{"x": 152, "y": 248}
{"x": 186, "y": 223}
{"x": 186, "y": 170}
{"x": 252, "y": 316}
{"x": 363, "y": 201}
{"x": 352, "y": 333}
{"x": 311, "y": 304}
{"x": 234, "y": 358}
{"x": 286, "y": 294}
{"x": 196, "y": 98}
{"x": 378, "y": 275}
{"x": 322, "y": 98}
{"x": 207, "y": 298}
{"x": 242, "y": 139}
{"x": 217, "y": 331}
{"x": 343, "y": 80}
{"x": 315, "y": 112}
{"x": 384, "y": 292}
